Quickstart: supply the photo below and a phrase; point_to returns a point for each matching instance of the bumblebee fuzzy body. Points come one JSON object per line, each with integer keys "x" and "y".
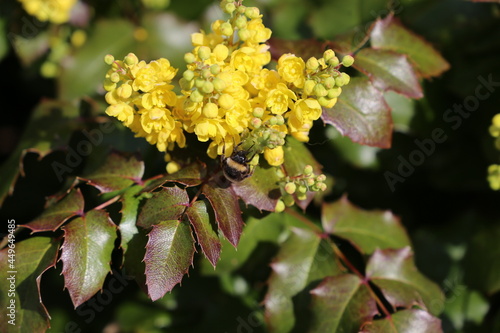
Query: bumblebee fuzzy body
{"x": 236, "y": 167}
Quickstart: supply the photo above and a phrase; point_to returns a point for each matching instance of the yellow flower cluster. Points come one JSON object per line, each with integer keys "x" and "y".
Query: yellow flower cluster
{"x": 494, "y": 170}
{"x": 227, "y": 95}
{"x": 56, "y": 11}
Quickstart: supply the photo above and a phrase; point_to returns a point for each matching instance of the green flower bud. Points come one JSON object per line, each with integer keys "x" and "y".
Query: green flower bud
{"x": 256, "y": 122}
{"x": 199, "y": 82}
{"x": 280, "y": 206}
{"x": 309, "y": 87}
{"x": 279, "y": 173}
{"x": 280, "y": 120}
{"x": 204, "y": 52}
{"x": 329, "y": 82}
{"x": 347, "y": 61}
{"x": 205, "y": 73}
{"x": 188, "y": 75}
{"x": 290, "y": 188}
{"x": 288, "y": 200}
{"x": 258, "y": 112}
{"x": 219, "y": 84}
{"x": 328, "y": 54}
{"x": 302, "y": 189}
{"x": 252, "y": 12}
{"x": 334, "y": 62}
{"x": 109, "y": 59}
{"x": 131, "y": 59}
{"x": 185, "y": 85}
{"x": 208, "y": 87}
{"x": 215, "y": 69}
{"x": 114, "y": 77}
{"x": 319, "y": 90}
{"x": 241, "y": 22}
{"x": 196, "y": 96}
{"x": 189, "y": 58}
{"x": 308, "y": 170}
{"x": 334, "y": 92}
{"x": 229, "y": 7}
{"x": 226, "y": 29}
{"x": 302, "y": 196}
{"x": 312, "y": 64}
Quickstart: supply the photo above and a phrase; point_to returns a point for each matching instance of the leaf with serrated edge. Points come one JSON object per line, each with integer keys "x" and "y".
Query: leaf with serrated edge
{"x": 227, "y": 210}
{"x": 207, "y": 238}
{"x": 304, "y": 257}
{"x": 366, "y": 230}
{"x": 167, "y": 204}
{"x": 86, "y": 254}
{"x": 341, "y": 304}
{"x": 390, "y": 34}
{"x": 190, "y": 175}
{"x": 388, "y": 70}
{"x": 33, "y": 257}
{"x": 169, "y": 253}
{"x": 130, "y": 205}
{"x": 297, "y": 156}
{"x": 54, "y": 216}
{"x": 117, "y": 173}
{"x": 261, "y": 190}
{"x": 394, "y": 272}
{"x": 362, "y": 114}
{"x": 405, "y": 321}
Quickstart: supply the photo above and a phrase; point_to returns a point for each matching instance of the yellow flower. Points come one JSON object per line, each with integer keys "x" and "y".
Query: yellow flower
{"x": 494, "y": 176}
{"x": 291, "y": 69}
{"x": 257, "y": 32}
{"x": 279, "y": 100}
{"x": 274, "y": 157}
{"x": 56, "y": 11}
{"x": 122, "y": 111}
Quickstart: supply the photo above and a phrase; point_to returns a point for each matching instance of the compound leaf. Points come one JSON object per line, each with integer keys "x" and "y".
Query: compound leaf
{"x": 167, "y": 204}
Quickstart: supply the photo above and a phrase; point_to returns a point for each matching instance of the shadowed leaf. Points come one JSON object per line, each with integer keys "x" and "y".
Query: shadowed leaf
{"x": 54, "y": 216}
{"x": 86, "y": 254}
{"x": 394, "y": 272}
{"x": 169, "y": 253}
{"x": 361, "y": 114}
{"x": 304, "y": 257}
{"x": 32, "y": 258}
{"x": 367, "y": 230}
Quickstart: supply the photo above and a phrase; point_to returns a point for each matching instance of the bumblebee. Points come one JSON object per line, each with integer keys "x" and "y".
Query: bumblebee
{"x": 236, "y": 167}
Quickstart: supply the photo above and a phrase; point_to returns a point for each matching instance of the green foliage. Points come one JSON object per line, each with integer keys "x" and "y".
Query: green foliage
{"x": 213, "y": 255}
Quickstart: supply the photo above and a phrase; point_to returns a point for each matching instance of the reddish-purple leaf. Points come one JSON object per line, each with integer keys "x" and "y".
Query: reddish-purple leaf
{"x": 86, "y": 254}
{"x": 389, "y": 70}
{"x": 117, "y": 173}
{"x": 341, "y": 304}
{"x": 169, "y": 253}
{"x": 390, "y": 34}
{"x": 207, "y": 237}
{"x": 406, "y": 321}
{"x": 227, "y": 210}
{"x": 261, "y": 190}
{"x": 190, "y": 175}
{"x": 297, "y": 156}
{"x": 304, "y": 257}
{"x": 305, "y": 48}
{"x": 394, "y": 272}
{"x": 366, "y": 230}
{"x": 55, "y": 215}
{"x": 167, "y": 204}
{"x": 24, "y": 268}
{"x": 362, "y": 114}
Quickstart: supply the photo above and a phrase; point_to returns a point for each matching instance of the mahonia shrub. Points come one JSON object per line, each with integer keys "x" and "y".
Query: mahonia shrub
{"x": 229, "y": 131}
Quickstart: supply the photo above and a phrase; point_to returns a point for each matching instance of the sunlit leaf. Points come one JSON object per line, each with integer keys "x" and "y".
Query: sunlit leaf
{"x": 117, "y": 173}
{"x": 129, "y": 211}
{"x": 367, "y": 230}
{"x": 208, "y": 239}
{"x": 86, "y": 254}
{"x": 169, "y": 253}
{"x": 227, "y": 210}
{"x": 361, "y": 114}
{"x": 260, "y": 190}
{"x": 389, "y": 70}
{"x": 341, "y": 304}
{"x": 24, "y": 268}
{"x": 406, "y": 321}
{"x": 167, "y": 204}
{"x": 390, "y": 34}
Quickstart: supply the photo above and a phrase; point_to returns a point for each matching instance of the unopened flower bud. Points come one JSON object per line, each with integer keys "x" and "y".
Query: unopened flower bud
{"x": 290, "y": 188}
{"x": 173, "y": 167}
{"x": 188, "y": 75}
{"x": 312, "y": 64}
{"x": 328, "y": 54}
{"x": 280, "y": 206}
{"x": 109, "y": 59}
{"x": 189, "y": 58}
{"x": 204, "y": 52}
{"x": 308, "y": 170}
{"x": 347, "y": 61}
{"x": 226, "y": 29}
